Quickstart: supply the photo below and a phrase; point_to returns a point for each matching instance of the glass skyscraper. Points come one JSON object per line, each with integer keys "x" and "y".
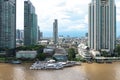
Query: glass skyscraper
{"x": 7, "y": 24}
{"x": 30, "y": 24}
{"x": 55, "y": 31}
{"x": 102, "y": 25}
{"x": 19, "y": 34}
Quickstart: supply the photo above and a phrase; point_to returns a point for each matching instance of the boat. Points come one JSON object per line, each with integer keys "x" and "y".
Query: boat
{"x": 62, "y": 63}
{"x": 15, "y": 62}
{"x": 52, "y": 65}
{"x": 108, "y": 61}
{"x": 78, "y": 63}
{"x": 46, "y": 66}
{"x": 70, "y": 63}
{"x": 99, "y": 61}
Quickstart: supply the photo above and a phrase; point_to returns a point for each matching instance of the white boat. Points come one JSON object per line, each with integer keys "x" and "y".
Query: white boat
{"x": 53, "y": 66}
{"x": 46, "y": 66}
{"x": 16, "y": 62}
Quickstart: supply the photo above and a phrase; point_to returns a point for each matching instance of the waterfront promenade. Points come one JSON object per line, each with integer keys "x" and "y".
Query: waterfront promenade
{"x": 86, "y": 71}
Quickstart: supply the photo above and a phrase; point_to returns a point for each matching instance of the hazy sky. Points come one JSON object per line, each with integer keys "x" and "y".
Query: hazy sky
{"x": 72, "y": 16}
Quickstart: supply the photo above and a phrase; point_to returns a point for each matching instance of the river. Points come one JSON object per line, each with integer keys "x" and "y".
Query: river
{"x": 86, "y": 71}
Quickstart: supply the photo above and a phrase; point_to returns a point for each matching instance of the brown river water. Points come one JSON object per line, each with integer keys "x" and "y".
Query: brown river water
{"x": 86, "y": 71}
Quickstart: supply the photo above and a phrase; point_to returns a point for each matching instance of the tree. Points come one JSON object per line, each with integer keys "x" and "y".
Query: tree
{"x": 117, "y": 50}
{"x": 32, "y": 47}
{"x": 41, "y": 56}
{"x": 104, "y": 53}
{"x": 71, "y": 54}
{"x": 10, "y": 52}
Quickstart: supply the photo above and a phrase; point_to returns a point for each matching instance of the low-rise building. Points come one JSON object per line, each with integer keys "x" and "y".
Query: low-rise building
{"x": 60, "y": 54}
{"x": 26, "y": 54}
{"x": 48, "y": 51}
{"x": 43, "y": 42}
{"x": 95, "y": 53}
{"x": 60, "y": 57}
{"x": 2, "y": 53}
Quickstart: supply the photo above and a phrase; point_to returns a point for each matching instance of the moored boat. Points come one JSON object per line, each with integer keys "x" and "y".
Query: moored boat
{"x": 15, "y": 62}
{"x": 54, "y": 65}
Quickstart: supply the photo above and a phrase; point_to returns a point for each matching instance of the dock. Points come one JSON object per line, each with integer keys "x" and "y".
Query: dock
{"x": 38, "y": 65}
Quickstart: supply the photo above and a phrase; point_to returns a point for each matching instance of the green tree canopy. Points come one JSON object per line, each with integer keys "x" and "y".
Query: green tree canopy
{"x": 41, "y": 56}
{"x": 71, "y": 53}
{"x": 117, "y": 50}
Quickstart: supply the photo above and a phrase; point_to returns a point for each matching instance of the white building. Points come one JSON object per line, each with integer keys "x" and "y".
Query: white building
{"x": 84, "y": 51}
{"x": 43, "y": 42}
{"x": 102, "y": 25}
{"x": 95, "y": 53}
{"x": 48, "y": 51}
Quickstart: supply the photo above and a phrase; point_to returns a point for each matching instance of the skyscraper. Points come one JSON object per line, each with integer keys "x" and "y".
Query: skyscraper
{"x": 102, "y": 25}
{"x": 39, "y": 33}
{"x": 55, "y": 31}
{"x": 19, "y": 34}
{"x": 7, "y": 24}
{"x": 30, "y": 24}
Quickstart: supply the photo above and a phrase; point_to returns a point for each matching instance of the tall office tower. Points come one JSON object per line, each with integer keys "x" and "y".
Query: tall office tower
{"x": 55, "y": 31}
{"x": 39, "y": 33}
{"x": 102, "y": 25}
{"x": 19, "y": 34}
{"x": 86, "y": 34}
{"x": 30, "y": 24}
{"x": 22, "y": 34}
{"x": 7, "y": 24}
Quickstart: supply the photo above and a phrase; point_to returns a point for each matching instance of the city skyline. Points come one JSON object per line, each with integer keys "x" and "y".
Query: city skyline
{"x": 72, "y": 16}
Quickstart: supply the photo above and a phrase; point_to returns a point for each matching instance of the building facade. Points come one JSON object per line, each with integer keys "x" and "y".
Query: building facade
{"x": 40, "y": 35}
{"x": 7, "y": 24}
{"x": 26, "y": 54}
{"x": 55, "y": 31}
{"x": 102, "y": 25}
{"x": 19, "y": 34}
{"x": 30, "y": 24}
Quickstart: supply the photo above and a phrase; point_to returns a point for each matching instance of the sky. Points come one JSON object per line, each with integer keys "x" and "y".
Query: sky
{"x": 72, "y": 16}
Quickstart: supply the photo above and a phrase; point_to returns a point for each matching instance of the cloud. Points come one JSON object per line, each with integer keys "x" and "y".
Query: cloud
{"x": 85, "y": 21}
{"x": 72, "y": 15}
{"x": 79, "y": 27}
{"x": 20, "y": 14}
{"x": 67, "y": 12}
{"x": 118, "y": 18}
{"x": 118, "y": 11}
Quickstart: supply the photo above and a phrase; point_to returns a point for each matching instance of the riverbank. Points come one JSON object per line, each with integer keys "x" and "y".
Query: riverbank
{"x": 2, "y": 60}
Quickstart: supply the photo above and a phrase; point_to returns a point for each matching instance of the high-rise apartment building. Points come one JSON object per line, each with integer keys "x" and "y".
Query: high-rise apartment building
{"x": 102, "y": 25}
{"x": 30, "y": 24}
{"x": 17, "y": 34}
{"x": 39, "y": 34}
{"x": 55, "y": 31}
{"x": 7, "y": 24}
